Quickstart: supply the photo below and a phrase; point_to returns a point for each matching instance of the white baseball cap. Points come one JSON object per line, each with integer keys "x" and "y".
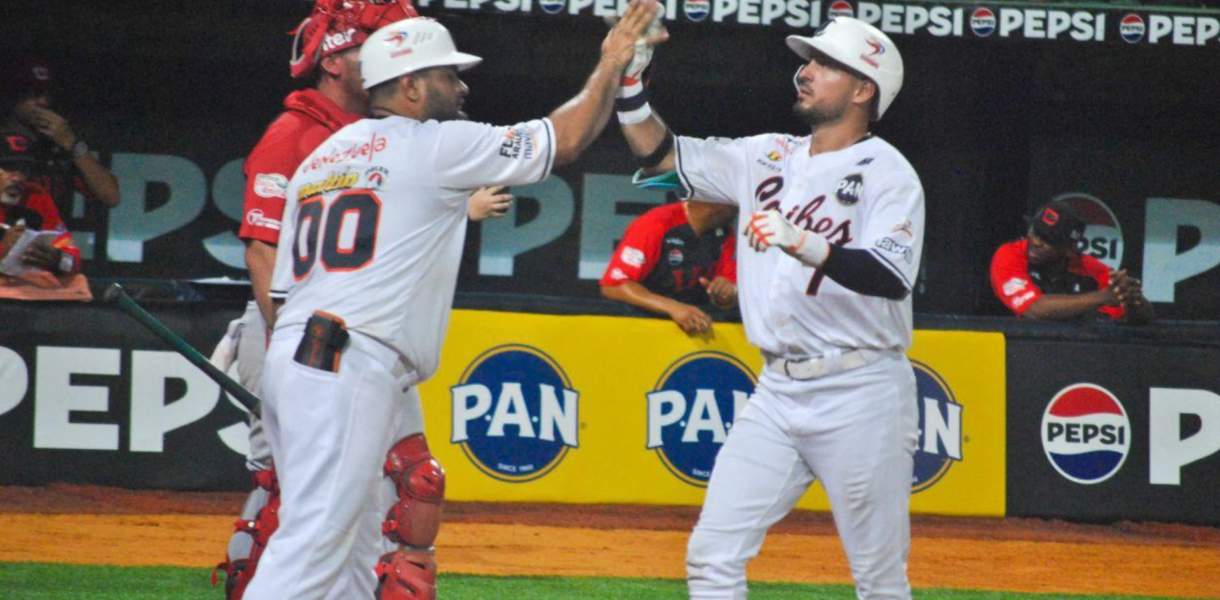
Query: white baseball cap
{"x": 862, "y": 48}
{"x": 408, "y": 46}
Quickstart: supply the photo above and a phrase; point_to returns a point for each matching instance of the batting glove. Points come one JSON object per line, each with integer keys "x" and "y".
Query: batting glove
{"x": 631, "y": 100}
{"x": 770, "y": 229}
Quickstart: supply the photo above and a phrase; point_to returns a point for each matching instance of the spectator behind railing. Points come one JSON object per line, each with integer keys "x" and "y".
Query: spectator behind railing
{"x": 675, "y": 258}
{"x": 64, "y": 163}
{"x": 1045, "y": 276}
{"x": 38, "y": 260}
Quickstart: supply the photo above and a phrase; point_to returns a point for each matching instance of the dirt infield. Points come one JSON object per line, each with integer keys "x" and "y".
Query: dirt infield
{"x": 113, "y": 526}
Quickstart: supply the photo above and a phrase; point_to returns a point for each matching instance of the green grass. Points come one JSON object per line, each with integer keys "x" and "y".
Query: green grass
{"x": 36, "y": 581}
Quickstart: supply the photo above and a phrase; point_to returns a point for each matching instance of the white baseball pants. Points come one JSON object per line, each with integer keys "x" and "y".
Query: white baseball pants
{"x": 329, "y": 434}
{"x": 857, "y": 432}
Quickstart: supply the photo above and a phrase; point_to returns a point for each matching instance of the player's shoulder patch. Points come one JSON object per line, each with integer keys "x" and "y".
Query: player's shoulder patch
{"x": 1014, "y": 286}
{"x": 271, "y": 185}
{"x": 633, "y": 257}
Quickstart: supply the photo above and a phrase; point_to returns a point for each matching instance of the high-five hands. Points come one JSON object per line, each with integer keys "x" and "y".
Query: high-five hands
{"x": 638, "y": 31}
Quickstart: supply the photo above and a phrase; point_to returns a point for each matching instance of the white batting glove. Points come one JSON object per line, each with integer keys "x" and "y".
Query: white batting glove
{"x": 770, "y": 229}
{"x": 631, "y": 98}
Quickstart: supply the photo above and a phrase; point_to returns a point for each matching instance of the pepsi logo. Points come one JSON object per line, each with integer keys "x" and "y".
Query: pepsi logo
{"x": 940, "y": 428}
{"x": 982, "y": 22}
{"x": 696, "y": 10}
{"x": 1131, "y": 28}
{"x": 675, "y": 257}
{"x": 1103, "y": 234}
{"x": 841, "y": 8}
{"x": 552, "y": 7}
{"x": 692, "y": 409}
{"x": 515, "y": 413}
{"x": 1086, "y": 433}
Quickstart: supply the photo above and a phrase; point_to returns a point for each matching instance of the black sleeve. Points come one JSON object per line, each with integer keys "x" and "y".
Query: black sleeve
{"x": 860, "y": 271}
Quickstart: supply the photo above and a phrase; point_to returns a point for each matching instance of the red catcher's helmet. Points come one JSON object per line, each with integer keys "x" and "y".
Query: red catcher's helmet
{"x": 336, "y": 25}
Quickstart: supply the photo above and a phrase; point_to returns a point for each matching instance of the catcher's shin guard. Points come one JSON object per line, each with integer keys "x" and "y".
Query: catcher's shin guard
{"x": 239, "y": 571}
{"x": 412, "y": 522}
{"x": 407, "y": 575}
{"x": 419, "y": 481}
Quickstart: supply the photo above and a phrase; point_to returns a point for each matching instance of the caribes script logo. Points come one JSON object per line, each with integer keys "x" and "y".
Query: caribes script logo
{"x": 1086, "y": 433}
{"x": 693, "y": 408}
{"x": 940, "y": 428}
{"x": 515, "y": 413}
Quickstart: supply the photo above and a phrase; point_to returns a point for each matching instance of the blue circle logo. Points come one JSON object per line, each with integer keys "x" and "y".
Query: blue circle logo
{"x": 940, "y": 428}
{"x": 515, "y": 413}
{"x": 552, "y": 7}
{"x": 692, "y": 409}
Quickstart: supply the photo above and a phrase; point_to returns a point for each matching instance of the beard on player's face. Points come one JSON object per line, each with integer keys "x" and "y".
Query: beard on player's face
{"x": 819, "y": 114}
{"x": 446, "y": 94}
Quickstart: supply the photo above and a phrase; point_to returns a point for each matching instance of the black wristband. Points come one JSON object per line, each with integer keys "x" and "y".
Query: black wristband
{"x": 660, "y": 153}
{"x": 632, "y": 103}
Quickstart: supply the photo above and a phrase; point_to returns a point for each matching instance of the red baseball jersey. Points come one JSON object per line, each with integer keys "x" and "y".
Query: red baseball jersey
{"x": 309, "y": 118}
{"x": 39, "y": 213}
{"x": 661, "y": 251}
{"x": 1018, "y": 287}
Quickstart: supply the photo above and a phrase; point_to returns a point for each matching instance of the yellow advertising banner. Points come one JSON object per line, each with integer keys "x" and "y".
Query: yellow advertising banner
{"x": 586, "y": 409}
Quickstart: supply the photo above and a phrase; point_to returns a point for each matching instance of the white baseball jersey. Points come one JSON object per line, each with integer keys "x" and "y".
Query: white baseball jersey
{"x": 376, "y": 218}
{"x": 864, "y": 196}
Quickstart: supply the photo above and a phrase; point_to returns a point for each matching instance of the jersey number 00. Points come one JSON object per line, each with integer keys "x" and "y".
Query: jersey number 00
{"x": 347, "y": 228}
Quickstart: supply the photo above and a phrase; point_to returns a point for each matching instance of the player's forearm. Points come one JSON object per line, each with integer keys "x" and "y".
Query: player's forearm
{"x": 1065, "y": 306}
{"x": 103, "y": 185}
{"x": 580, "y": 120}
{"x": 645, "y": 137}
{"x": 260, "y": 260}
{"x": 637, "y": 295}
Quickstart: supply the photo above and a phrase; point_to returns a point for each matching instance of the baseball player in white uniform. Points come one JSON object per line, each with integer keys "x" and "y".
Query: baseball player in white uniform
{"x": 836, "y": 219}
{"x": 372, "y": 238}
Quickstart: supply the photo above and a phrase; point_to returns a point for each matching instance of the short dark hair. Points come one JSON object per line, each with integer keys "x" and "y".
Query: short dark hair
{"x": 383, "y": 90}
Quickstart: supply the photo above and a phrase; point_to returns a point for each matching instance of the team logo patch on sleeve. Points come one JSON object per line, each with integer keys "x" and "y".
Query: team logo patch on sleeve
{"x": 849, "y": 189}
{"x": 518, "y": 143}
{"x": 256, "y": 218}
{"x": 1014, "y": 286}
{"x": 632, "y": 257}
{"x": 271, "y": 185}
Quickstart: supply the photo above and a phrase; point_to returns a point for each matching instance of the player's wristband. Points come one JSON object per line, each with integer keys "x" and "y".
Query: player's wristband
{"x": 631, "y": 103}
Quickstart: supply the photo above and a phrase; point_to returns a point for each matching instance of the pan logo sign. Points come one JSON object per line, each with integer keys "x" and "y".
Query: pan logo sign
{"x": 693, "y": 408}
{"x": 982, "y": 22}
{"x": 940, "y": 428}
{"x": 696, "y": 10}
{"x": 1086, "y": 433}
{"x": 1103, "y": 235}
{"x": 515, "y": 413}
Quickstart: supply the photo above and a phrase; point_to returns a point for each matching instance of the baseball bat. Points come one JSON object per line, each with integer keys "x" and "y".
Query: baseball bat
{"x": 116, "y": 293}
